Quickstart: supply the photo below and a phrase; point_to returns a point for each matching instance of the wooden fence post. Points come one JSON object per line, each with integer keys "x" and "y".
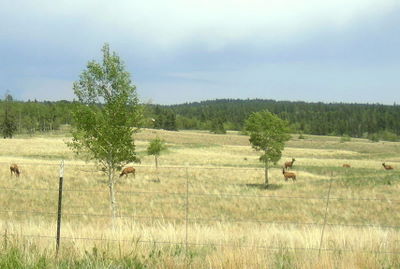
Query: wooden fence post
{"x": 60, "y": 190}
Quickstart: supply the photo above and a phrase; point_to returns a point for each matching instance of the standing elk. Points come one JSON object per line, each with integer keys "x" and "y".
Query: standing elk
{"x": 289, "y": 164}
{"x": 288, "y": 175}
{"x": 346, "y": 165}
{"x": 14, "y": 170}
{"x": 387, "y": 167}
{"x": 128, "y": 170}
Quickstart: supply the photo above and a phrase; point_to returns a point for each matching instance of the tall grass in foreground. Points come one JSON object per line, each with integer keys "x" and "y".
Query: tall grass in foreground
{"x": 233, "y": 221}
{"x": 31, "y": 253}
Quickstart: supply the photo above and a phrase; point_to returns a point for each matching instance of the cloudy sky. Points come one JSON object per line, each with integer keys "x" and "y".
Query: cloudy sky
{"x": 191, "y": 50}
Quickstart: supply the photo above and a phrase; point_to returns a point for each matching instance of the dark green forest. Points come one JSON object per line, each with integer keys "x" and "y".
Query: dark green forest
{"x": 373, "y": 121}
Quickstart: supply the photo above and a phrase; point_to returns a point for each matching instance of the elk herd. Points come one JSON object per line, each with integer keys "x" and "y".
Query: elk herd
{"x": 287, "y": 175}
{"x": 15, "y": 170}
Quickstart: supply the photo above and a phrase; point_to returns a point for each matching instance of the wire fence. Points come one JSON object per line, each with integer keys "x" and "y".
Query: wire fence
{"x": 184, "y": 196}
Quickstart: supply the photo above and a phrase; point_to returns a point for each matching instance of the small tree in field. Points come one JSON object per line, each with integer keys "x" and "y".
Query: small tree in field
{"x": 106, "y": 117}
{"x": 155, "y": 148}
{"x": 268, "y": 134}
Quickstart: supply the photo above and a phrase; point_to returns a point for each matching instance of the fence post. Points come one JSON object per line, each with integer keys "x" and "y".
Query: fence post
{"x": 60, "y": 190}
{"x": 326, "y": 215}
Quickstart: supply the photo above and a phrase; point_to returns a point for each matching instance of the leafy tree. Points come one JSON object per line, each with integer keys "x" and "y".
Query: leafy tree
{"x": 155, "y": 148}
{"x": 345, "y": 138}
{"x": 164, "y": 119}
{"x": 217, "y": 126}
{"x": 170, "y": 121}
{"x": 268, "y": 134}
{"x": 106, "y": 116}
{"x": 8, "y": 125}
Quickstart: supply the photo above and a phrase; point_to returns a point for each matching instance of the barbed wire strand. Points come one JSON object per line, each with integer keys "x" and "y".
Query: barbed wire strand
{"x": 205, "y": 194}
{"x": 195, "y": 220}
{"x": 230, "y": 245}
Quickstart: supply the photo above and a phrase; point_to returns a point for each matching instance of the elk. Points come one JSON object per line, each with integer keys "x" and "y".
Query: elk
{"x": 14, "y": 170}
{"x": 289, "y": 164}
{"x": 288, "y": 175}
{"x": 346, "y": 165}
{"x": 128, "y": 170}
{"x": 387, "y": 167}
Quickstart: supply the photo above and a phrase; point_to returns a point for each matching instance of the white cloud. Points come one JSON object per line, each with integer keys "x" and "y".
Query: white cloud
{"x": 174, "y": 23}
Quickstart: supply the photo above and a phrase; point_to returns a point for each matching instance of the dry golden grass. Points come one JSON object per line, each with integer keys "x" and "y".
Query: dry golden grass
{"x": 233, "y": 221}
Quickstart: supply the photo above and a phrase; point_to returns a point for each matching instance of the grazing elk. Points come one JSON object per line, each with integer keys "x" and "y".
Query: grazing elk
{"x": 387, "y": 167}
{"x": 289, "y": 164}
{"x": 14, "y": 170}
{"x": 128, "y": 170}
{"x": 346, "y": 165}
{"x": 288, "y": 175}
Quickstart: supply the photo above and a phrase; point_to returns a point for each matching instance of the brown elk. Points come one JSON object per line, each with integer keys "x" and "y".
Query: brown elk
{"x": 346, "y": 165}
{"x": 288, "y": 175}
{"x": 289, "y": 164}
{"x": 14, "y": 170}
{"x": 387, "y": 167}
{"x": 128, "y": 170}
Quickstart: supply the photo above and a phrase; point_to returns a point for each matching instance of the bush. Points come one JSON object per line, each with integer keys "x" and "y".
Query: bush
{"x": 373, "y": 137}
{"x": 388, "y": 136}
{"x": 345, "y": 138}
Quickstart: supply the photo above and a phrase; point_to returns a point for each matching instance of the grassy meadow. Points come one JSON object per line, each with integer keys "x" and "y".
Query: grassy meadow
{"x": 232, "y": 220}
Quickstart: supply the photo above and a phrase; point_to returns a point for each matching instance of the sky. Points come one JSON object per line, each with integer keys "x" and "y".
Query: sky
{"x": 181, "y": 51}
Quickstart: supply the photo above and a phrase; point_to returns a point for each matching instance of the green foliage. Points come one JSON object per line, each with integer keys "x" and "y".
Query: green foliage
{"x": 164, "y": 119}
{"x": 32, "y": 116}
{"x": 106, "y": 117}
{"x": 373, "y": 137}
{"x": 217, "y": 126}
{"x": 17, "y": 258}
{"x": 284, "y": 259}
{"x": 363, "y": 179}
{"x": 309, "y": 118}
{"x": 8, "y": 125}
{"x": 345, "y": 138}
{"x": 11, "y": 259}
{"x": 354, "y": 120}
{"x": 156, "y": 146}
{"x": 105, "y": 131}
{"x": 388, "y": 136}
{"x": 268, "y": 133}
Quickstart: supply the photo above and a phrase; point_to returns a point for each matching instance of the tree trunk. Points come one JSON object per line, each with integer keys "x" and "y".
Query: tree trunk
{"x": 266, "y": 174}
{"x": 156, "y": 159}
{"x": 111, "y": 184}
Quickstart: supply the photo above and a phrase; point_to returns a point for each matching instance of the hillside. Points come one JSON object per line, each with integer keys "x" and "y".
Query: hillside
{"x": 356, "y": 120}
{"x": 373, "y": 121}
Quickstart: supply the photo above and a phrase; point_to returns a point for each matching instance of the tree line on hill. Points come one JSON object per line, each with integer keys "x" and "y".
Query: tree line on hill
{"x": 373, "y": 121}
{"x": 31, "y": 117}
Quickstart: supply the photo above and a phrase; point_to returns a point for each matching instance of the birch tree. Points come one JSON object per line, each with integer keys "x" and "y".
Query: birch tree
{"x": 106, "y": 117}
